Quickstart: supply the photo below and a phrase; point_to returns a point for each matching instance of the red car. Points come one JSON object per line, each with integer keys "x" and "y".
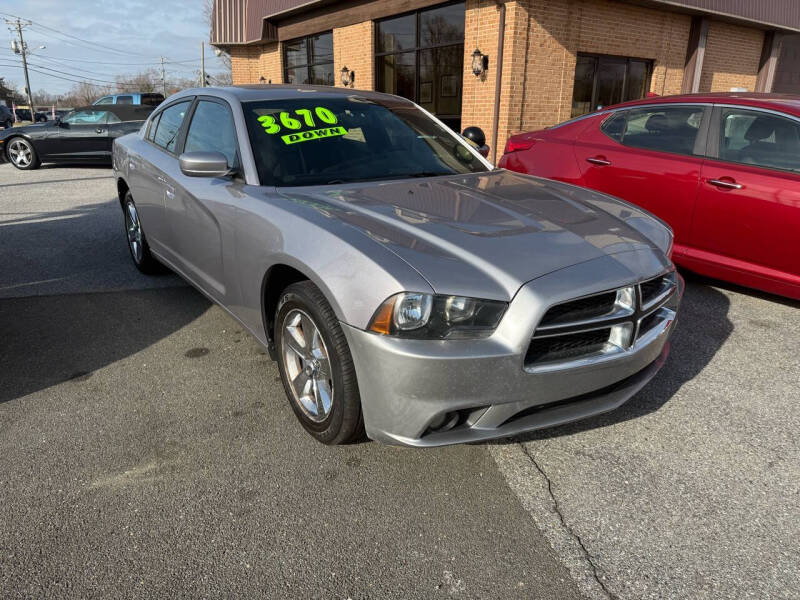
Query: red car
{"x": 722, "y": 169}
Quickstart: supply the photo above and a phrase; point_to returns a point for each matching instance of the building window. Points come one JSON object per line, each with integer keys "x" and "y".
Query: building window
{"x": 602, "y": 80}
{"x": 421, "y": 56}
{"x": 309, "y": 60}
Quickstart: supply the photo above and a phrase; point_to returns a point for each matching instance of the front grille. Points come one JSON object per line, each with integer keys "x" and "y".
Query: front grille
{"x": 580, "y": 309}
{"x": 562, "y": 347}
{"x": 651, "y": 289}
{"x": 607, "y": 323}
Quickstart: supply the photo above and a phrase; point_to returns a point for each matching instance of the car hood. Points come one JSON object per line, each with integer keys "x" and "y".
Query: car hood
{"x": 26, "y": 128}
{"x": 487, "y": 234}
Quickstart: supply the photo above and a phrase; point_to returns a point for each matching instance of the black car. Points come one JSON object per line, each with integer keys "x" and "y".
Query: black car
{"x": 24, "y": 114}
{"x": 6, "y": 117}
{"x": 84, "y": 135}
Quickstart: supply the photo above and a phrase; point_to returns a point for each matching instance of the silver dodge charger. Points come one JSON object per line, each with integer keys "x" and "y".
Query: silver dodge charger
{"x": 408, "y": 290}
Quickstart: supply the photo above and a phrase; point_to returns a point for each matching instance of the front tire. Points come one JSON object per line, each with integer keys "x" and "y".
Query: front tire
{"x": 137, "y": 242}
{"x": 316, "y": 367}
{"x": 21, "y": 153}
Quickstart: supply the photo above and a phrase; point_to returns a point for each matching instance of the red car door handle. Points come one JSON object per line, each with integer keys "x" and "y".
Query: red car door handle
{"x": 727, "y": 184}
{"x": 598, "y": 160}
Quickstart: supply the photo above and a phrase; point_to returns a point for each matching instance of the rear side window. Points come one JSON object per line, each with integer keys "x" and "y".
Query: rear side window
{"x": 169, "y": 125}
{"x": 212, "y": 130}
{"x": 671, "y": 129}
{"x": 124, "y": 99}
{"x": 760, "y": 139}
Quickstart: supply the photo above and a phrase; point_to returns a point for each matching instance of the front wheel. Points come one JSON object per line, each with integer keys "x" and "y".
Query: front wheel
{"x": 21, "y": 154}
{"x": 137, "y": 242}
{"x": 316, "y": 366}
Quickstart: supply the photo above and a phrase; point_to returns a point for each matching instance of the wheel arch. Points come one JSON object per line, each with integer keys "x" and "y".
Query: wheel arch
{"x": 122, "y": 189}
{"x": 277, "y": 278}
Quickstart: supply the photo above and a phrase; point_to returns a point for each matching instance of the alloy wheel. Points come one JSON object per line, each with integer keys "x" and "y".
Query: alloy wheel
{"x": 20, "y": 153}
{"x": 307, "y": 365}
{"x": 134, "y": 228}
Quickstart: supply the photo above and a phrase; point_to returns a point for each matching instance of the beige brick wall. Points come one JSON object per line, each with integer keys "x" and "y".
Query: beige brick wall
{"x": 559, "y": 29}
{"x": 353, "y": 48}
{"x": 250, "y": 63}
{"x": 542, "y": 42}
{"x": 731, "y": 58}
{"x": 541, "y": 45}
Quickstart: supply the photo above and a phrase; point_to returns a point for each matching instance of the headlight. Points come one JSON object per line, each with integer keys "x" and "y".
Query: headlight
{"x": 425, "y": 316}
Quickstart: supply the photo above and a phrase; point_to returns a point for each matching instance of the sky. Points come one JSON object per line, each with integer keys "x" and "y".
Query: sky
{"x": 129, "y": 34}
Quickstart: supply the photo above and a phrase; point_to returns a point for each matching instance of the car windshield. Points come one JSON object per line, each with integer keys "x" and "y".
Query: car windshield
{"x": 318, "y": 141}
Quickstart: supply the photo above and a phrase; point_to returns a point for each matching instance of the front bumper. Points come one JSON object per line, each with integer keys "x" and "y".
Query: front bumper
{"x": 410, "y": 387}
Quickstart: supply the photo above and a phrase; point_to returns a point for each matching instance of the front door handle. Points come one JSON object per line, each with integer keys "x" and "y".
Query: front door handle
{"x": 100, "y": 130}
{"x": 598, "y": 160}
{"x": 727, "y": 184}
{"x": 169, "y": 193}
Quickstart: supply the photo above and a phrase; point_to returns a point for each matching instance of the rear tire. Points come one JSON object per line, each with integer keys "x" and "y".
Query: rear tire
{"x": 137, "y": 241}
{"x": 316, "y": 366}
{"x": 21, "y": 153}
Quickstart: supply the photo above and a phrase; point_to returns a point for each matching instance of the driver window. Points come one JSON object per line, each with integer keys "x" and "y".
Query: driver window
{"x": 87, "y": 117}
{"x": 169, "y": 125}
{"x": 212, "y": 130}
{"x": 106, "y": 100}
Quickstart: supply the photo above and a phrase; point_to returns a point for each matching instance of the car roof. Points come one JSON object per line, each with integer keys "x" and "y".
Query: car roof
{"x": 250, "y": 93}
{"x": 788, "y": 103}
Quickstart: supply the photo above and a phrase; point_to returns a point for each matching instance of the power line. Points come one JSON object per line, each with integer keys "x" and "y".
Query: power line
{"x": 70, "y": 76}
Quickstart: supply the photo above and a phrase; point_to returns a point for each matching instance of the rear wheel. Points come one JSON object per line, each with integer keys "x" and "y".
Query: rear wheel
{"x": 137, "y": 242}
{"x": 21, "y": 154}
{"x": 316, "y": 366}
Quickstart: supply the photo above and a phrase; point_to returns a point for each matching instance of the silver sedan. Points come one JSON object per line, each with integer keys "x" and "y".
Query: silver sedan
{"x": 407, "y": 289}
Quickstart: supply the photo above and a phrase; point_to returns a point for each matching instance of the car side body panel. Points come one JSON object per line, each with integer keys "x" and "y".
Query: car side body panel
{"x": 493, "y": 234}
{"x": 747, "y": 236}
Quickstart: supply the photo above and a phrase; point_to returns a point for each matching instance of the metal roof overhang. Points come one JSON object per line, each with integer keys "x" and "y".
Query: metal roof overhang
{"x": 241, "y": 22}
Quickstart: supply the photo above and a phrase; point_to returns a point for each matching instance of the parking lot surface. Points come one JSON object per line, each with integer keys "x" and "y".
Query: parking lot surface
{"x": 148, "y": 451}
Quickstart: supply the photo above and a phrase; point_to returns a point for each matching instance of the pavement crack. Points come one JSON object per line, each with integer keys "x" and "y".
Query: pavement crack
{"x": 584, "y": 550}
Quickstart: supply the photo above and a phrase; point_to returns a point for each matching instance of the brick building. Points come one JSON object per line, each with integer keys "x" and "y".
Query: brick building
{"x": 514, "y": 65}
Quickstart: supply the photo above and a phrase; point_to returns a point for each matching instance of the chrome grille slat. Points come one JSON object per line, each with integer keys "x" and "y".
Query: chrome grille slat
{"x": 561, "y": 344}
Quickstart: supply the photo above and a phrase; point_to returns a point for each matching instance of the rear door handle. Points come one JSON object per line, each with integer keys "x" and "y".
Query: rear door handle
{"x": 728, "y": 185}
{"x": 169, "y": 193}
{"x": 100, "y": 130}
{"x": 598, "y": 160}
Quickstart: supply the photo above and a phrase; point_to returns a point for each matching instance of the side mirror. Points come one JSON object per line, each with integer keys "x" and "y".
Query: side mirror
{"x": 204, "y": 164}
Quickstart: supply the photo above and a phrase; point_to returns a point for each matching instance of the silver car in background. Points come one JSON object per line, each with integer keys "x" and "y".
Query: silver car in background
{"x": 407, "y": 289}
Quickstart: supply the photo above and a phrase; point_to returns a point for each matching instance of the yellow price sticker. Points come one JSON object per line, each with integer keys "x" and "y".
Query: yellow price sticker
{"x": 284, "y": 120}
{"x": 314, "y": 134}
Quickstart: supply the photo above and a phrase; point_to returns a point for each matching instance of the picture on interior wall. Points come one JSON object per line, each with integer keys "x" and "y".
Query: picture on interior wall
{"x": 449, "y": 86}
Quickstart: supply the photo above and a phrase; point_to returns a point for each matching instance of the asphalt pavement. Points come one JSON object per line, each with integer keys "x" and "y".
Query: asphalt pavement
{"x": 148, "y": 451}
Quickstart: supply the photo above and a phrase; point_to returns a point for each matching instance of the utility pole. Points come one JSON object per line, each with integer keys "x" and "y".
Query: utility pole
{"x": 203, "y": 64}
{"x": 23, "y": 49}
{"x": 163, "y": 79}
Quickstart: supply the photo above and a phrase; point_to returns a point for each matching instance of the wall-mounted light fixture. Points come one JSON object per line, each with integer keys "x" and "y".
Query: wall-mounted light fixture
{"x": 480, "y": 63}
{"x": 262, "y": 80}
{"x": 348, "y": 77}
